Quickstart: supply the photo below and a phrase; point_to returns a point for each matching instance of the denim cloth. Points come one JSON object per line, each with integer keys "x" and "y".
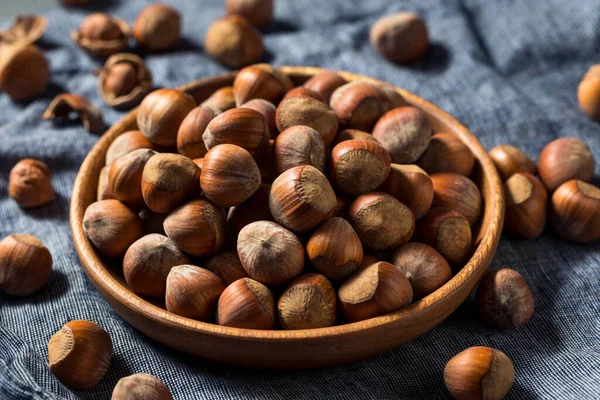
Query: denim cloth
{"x": 507, "y": 69}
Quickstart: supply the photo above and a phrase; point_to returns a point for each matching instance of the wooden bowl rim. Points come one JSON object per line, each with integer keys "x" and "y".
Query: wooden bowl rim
{"x": 96, "y": 269}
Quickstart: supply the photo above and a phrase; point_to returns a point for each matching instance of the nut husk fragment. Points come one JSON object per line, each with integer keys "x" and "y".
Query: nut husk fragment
{"x": 123, "y": 87}
{"x": 26, "y": 29}
{"x": 64, "y": 104}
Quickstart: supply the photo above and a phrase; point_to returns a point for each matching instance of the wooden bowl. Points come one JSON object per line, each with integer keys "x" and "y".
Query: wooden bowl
{"x": 302, "y": 348}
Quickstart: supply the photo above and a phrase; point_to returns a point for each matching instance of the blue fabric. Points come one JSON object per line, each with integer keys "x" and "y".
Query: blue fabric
{"x": 507, "y": 69}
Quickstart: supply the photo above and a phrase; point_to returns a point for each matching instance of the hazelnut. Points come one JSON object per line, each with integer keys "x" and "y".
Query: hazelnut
{"x": 359, "y": 104}
{"x": 299, "y": 145}
{"x": 341, "y": 208}
{"x": 153, "y": 222}
{"x": 392, "y": 94}
{"x": 247, "y": 304}
{"x": 411, "y": 186}
{"x": 64, "y": 106}
{"x": 375, "y": 290}
{"x": 242, "y": 127}
{"x": 258, "y": 12}
{"x": 157, "y": 28}
{"x": 79, "y": 354}
{"x": 352, "y": 134}
{"x": 29, "y": 183}
{"x": 161, "y": 113}
{"x": 148, "y": 262}
{"x": 124, "y": 81}
{"x": 126, "y": 143}
{"x": 233, "y": 42}
{"x": 423, "y": 266}
{"x": 334, "y": 249}
{"x": 267, "y": 110}
{"x": 479, "y": 373}
{"x": 509, "y": 160}
{"x": 112, "y": 227}
{"x": 359, "y": 166}
{"x": 168, "y": 180}
{"x": 270, "y": 253}
{"x": 405, "y": 132}
{"x": 307, "y": 303}
{"x": 141, "y": 387}
{"x": 457, "y": 192}
{"x": 563, "y": 160}
{"x": 448, "y": 232}
{"x": 401, "y": 38}
{"x": 504, "y": 299}
{"x": 221, "y": 99}
{"x": 588, "y": 93}
{"x": 24, "y": 71}
{"x": 125, "y": 176}
{"x": 447, "y": 153}
{"x": 193, "y": 292}
{"x": 381, "y": 222}
{"x": 229, "y": 175}
{"x": 260, "y": 81}
{"x": 25, "y": 29}
{"x": 325, "y": 84}
{"x": 102, "y": 35}
{"x": 189, "y": 136}
{"x": 575, "y": 211}
{"x": 255, "y": 208}
{"x": 525, "y": 200}
{"x": 197, "y": 227}
{"x": 301, "y": 198}
{"x": 103, "y": 192}
{"x": 368, "y": 259}
{"x": 302, "y": 91}
{"x": 227, "y": 266}
{"x": 25, "y": 265}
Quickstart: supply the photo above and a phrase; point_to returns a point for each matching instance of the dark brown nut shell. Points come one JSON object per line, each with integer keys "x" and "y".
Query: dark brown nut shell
{"x": 64, "y": 104}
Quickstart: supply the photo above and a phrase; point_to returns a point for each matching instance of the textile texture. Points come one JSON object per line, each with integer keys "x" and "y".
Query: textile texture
{"x": 507, "y": 69}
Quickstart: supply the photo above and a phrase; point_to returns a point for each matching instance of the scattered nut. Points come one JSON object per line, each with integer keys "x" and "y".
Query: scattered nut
{"x": 260, "y": 81}
{"x": 221, "y": 99}
{"x": 141, "y": 387}
{"x": 247, "y": 304}
{"x": 411, "y": 186}
{"x": 25, "y": 29}
{"x": 25, "y": 265}
{"x": 124, "y": 80}
{"x": 525, "y": 201}
{"x": 267, "y": 110}
{"x": 563, "y": 160}
{"x": 64, "y": 105}
{"x": 588, "y": 93}
{"x": 457, "y": 192}
{"x": 233, "y": 42}
{"x": 299, "y": 145}
{"x": 227, "y": 266}
{"x": 401, "y": 38}
{"x": 102, "y": 35}
{"x": 575, "y": 211}
{"x": 309, "y": 112}
{"x": 258, "y": 12}
{"x": 30, "y": 184}
{"x": 325, "y": 84}
{"x": 509, "y": 160}
{"x": 308, "y": 302}
{"x": 157, "y": 28}
{"x": 125, "y": 144}
{"x": 359, "y": 104}
{"x": 125, "y": 176}
{"x": 24, "y": 71}
{"x": 447, "y": 153}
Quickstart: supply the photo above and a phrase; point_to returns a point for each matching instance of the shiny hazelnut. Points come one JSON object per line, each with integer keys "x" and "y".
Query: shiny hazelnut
{"x": 189, "y": 136}
{"x": 563, "y": 160}
{"x": 197, "y": 227}
{"x": 575, "y": 211}
{"x": 359, "y": 104}
{"x": 375, "y": 290}
{"x": 126, "y": 143}
{"x": 509, "y": 160}
{"x": 24, "y": 71}
{"x": 255, "y": 208}
{"x": 233, "y": 42}
{"x": 588, "y": 93}
{"x": 423, "y": 266}
{"x": 153, "y": 222}
{"x": 270, "y": 253}
{"x": 334, "y": 249}
{"x": 359, "y": 166}
{"x": 381, "y": 222}
{"x": 258, "y": 12}
{"x": 410, "y": 185}
{"x": 301, "y": 91}
{"x": 504, "y": 299}
{"x": 308, "y": 302}
{"x": 525, "y": 198}
{"x": 221, "y": 99}
{"x": 157, "y": 28}
{"x": 325, "y": 84}
{"x": 25, "y": 29}
{"x": 161, "y": 113}
{"x": 268, "y": 110}
{"x": 227, "y": 266}
{"x": 301, "y": 198}
{"x": 479, "y": 373}
{"x": 103, "y": 191}
{"x": 141, "y": 387}
{"x": 299, "y": 145}
{"x": 102, "y": 35}
{"x": 247, "y": 304}
{"x": 447, "y": 153}
{"x": 457, "y": 192}
{"x": 67, "y": 107}
{"x": 352, "y": 134}
{"x": 79, "y": 354}
{"x": 125, "y": 176}
{"x": 124, "y": 81}
{"x": 260, "y": 81}
{"x": 401, "y": 38}
{"x": 29, "y": 183}
{"x": 25, "y": 265}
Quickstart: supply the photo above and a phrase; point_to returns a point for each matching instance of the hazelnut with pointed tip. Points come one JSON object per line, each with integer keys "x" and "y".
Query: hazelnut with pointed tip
{"x": 525, "y": 199}
{"x": 299, "y": 145}
{"x": 575, "y": 211}
{"x": 141, "y": 387}
{"x": 193, "y": 292}
{"x": 563, "y": 160}
{"x": 247, "y": 304}
{"x": 25, "y": 265}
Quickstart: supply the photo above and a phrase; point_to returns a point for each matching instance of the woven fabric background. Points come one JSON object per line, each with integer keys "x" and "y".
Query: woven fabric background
{"x": 507, "y": 69}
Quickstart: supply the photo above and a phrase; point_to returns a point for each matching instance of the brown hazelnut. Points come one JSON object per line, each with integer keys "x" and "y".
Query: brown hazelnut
{"x": 64, "y": 106}
{"x": 268, "y": 110}
{"x": 258, "y": 12}
{"x": 270, "y": 253}
{"x": 255, "y": 208}
{"x": 575, "y": 211}
{"x": 102, "y": 35}
{"x": 25, "y": 29}
{"x": 563, "y": 160}
{"x": 447, "y": 153}
{"x": 525, "y": 199}
{"x": 141, "y": 387}
{"x": 359, "y": 166}
{"x": 457, "y": 192}
{"x": 368, "y": 259}
{"x": 479, "y": 373}
{"x": 352, "y": 134}
{"x": 301, "y": 198}
{"x": 381, "y": 222}
{"x": 588, "y": 93}
{"x": 405, "y": 132}
{"x": 193, "y": 292}
{"x": 334, "y": 249}
{"x": 197, "y": 227}
{"x": 509, "y": 160}
{"x": 260, "y": 81}
{"x": 308, "y": 302}
{"x": 301, "y": 91}
{"x": 391, "y": 92}
{"x": 125, "y": 176}
{"x": 233, "y": 42}
{"x": 325, "y": 84}
{"x": 103, "y": 192}
{"x": 25, "y": 265}
{"x": 401, "y": 38}
{"x": 359, "y": 104}
{"x": 410, "y": 185}
{"x": 423, "y": 266}
{"x": 221, "y": 99}
{"x": 124, "y": 81}
{"x": 24, "y": 71}
{"x": 504, "y": 299}
{"x": 247, "y": 304}
{"x": 29, "y": 183}
{"x": 299, "y": 145}
{"x": 153, "y": 222}
{"x": 448, "y": 232}
{"x": 126, "y": 143}
{"x": 79, "y": 354}
{"x": 161, "y": 114}
{"x": 375, "y": 290}
{"x": 227, "y": 266}
{"x": 229, "y": 175}
{"x": 157, "y": 28}
{"x": 189, "y": 136}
